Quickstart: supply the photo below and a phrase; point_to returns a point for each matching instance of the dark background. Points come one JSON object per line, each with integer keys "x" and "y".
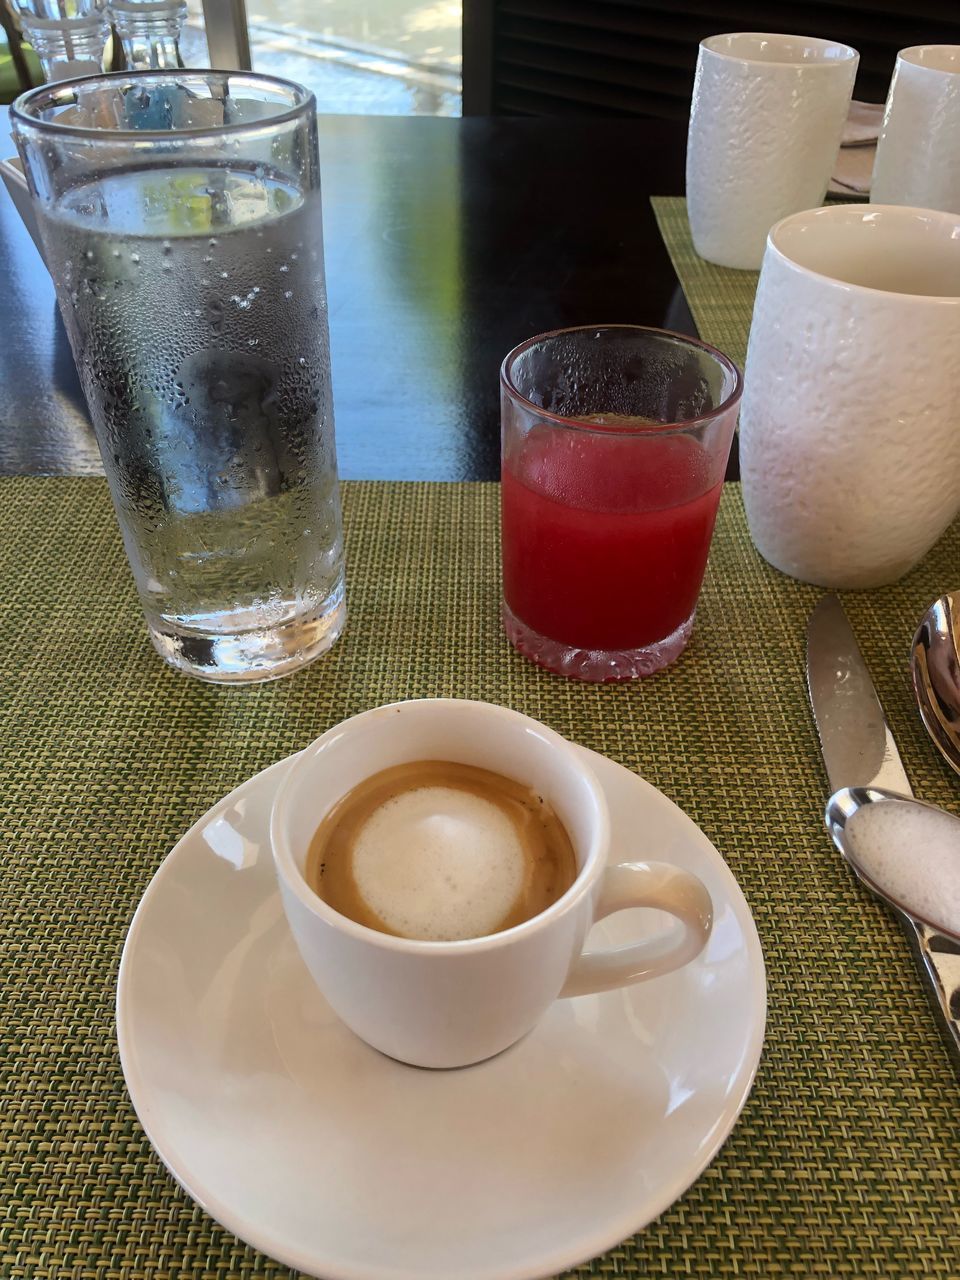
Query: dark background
{"x": 447, "y": 242}
{"x": 637, "y": 57}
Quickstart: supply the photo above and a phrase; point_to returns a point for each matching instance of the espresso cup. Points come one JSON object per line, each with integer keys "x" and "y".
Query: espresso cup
{"x": 449, "y": 1004}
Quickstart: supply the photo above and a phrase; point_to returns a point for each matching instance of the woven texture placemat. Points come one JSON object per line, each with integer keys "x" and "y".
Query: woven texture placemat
{"x": 720, "y": 299}
{"x": 845, "y": 1160}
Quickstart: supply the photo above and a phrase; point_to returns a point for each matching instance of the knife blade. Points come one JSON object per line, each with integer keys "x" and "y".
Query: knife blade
{"x": 858, "y": 748}
{"x": 859, "y": 751}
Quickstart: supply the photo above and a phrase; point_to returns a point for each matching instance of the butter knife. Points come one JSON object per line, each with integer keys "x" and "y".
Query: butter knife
{"x": 859, "y": 751}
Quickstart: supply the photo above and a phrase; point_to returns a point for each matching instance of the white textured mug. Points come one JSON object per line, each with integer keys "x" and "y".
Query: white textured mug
{"x": 448, "y": 1004}
{"x": 918, "y": 151}
{"x": 765, "y": 125}
{"x": 849, "y": 428}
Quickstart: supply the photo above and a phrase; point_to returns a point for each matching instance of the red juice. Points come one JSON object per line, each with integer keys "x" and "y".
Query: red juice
{"x": 605, "y": 536}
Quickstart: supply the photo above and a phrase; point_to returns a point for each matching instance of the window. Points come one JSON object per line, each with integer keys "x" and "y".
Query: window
{"x": 373, "y": 57}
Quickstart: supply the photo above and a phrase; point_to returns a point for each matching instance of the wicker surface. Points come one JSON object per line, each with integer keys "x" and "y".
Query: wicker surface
{"x": 720, "y": 299}
{"x": 845, "y": 1160}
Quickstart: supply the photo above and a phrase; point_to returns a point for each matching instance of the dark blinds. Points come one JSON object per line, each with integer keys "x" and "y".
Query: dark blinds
{"x": 636, "y": 57}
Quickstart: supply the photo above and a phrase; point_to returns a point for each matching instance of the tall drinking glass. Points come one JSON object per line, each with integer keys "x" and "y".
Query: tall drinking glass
{"x": 180, "y": 218}
{"x": 615, "y": 443}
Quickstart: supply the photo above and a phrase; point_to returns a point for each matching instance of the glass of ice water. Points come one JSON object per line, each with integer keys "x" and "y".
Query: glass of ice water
{"x": 180, "y": 219}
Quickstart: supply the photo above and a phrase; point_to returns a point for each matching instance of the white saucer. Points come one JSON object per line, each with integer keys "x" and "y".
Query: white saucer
{"x": 337, "y": 1161}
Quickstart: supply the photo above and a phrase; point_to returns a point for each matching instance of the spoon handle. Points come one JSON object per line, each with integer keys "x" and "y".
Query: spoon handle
{"x": 939, "y": 957}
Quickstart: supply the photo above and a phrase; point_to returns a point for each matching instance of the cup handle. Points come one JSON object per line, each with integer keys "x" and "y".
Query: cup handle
{"x": 644, "y": 884}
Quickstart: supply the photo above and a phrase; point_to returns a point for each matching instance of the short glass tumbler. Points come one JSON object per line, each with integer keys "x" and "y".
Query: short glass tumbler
{"x": 180, "y": 219}
{"x": 615, "y": 442}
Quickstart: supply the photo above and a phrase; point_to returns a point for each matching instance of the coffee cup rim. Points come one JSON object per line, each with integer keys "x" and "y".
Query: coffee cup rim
{"x": 913, "y": 57}
{"x": 587, "y": 875}
{"x": 845, "y": 53}
{"x": 846, "y": 213}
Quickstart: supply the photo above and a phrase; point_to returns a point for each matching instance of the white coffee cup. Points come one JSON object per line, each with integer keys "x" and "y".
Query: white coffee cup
{"x": 448, "y": 1004}
{"x": 849, "y": 430}
{"x": 765, "y": 125}
{"x": 918, "y": 151}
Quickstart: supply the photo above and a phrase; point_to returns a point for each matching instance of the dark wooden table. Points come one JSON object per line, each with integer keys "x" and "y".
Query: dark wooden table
{"x": 447, "y": 242}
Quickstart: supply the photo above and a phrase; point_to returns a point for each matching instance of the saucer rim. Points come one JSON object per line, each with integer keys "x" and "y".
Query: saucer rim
{"x": 612, "y": 1233}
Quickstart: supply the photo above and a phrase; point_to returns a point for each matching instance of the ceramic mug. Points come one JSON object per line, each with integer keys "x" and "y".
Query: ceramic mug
{"x": 448, "y": 1004}
{"x": 849, "y": 433}
{"x": 765, "y": 125}
{"x": 918, "y": 151}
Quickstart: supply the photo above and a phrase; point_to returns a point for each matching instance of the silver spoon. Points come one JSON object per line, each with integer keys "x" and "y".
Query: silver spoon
{"x": 935, "y": 666}
{"x": 906, "y": 851}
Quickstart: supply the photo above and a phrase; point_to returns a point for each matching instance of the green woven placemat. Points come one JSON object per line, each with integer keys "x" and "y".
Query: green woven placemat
{"x": 720, "y": 299}
{"x": 844, "y": 1162}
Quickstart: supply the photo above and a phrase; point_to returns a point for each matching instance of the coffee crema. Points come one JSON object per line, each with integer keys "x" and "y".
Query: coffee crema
{"x": 440, "y": 852}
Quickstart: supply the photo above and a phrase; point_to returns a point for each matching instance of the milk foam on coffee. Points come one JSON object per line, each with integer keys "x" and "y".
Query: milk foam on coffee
{"x": 439, "y": 863}
{"x": 440, "y": 852}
